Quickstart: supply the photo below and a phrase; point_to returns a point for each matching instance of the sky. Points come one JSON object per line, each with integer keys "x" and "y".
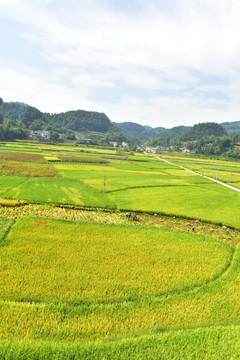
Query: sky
{"x": 154, "y": 62}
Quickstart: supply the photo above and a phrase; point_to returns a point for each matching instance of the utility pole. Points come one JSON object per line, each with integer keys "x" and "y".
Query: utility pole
{"x": 217, "y": 174}
{"x": 104, "y": 183}
{"x": 231, "y": 177}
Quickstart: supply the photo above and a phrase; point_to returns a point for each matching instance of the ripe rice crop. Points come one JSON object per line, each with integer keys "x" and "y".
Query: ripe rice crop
{"x": 55, "y": 261}
{"x": 120, "y": 289}
{"x": 82, "y": 160}
{"x": 212, "y": 304}
{"x": 218, "y": 343}
{"x": 28, "y": 169}
{"x": 26, "y": 157}
{"x": 221, "y": 233}
{"x": 5, "y": 225}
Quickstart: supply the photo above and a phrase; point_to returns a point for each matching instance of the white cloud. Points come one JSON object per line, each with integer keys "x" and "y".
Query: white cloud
{"x": 170, "y": 48}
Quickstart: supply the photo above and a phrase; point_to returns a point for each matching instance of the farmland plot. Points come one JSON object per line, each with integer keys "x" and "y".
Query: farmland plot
{"x": 79, "y": 281}
{"x": 47, "y": 260}
{"x": 103, "y": 291}
{"x": 225, "y": 171}
{"x": 211, "y": 202}
{"x": 58, "y": 191}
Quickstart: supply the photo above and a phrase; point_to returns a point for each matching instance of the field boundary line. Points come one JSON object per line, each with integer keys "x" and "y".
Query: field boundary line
{"x": 143, "y": 187}
{"x": 15, "y": 186}
{"x": 7, "y": 231}
{"x": 204, "y": 176}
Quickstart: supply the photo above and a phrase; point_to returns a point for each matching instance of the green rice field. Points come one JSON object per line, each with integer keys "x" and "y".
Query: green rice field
{"x": 91, "y": 262}
{"x": 225, "y": 171}
{"x": 79, "y": 280}
{"x": 133, "y": 182}
{"x": 144, "y": 287}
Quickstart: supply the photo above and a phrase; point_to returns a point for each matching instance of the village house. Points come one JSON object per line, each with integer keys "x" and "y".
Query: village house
{"x": 150, "y": 149}
{"x": 39, "y": 134}
{"x": 83, "y": 139}
{"x": 185, "y": 151}
{"x": 159, "y": 149}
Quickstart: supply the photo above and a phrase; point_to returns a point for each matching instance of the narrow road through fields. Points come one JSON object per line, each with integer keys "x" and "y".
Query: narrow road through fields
{"x": 206, "y": 177}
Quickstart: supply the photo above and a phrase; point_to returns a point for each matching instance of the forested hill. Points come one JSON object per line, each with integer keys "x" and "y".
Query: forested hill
{"x": 180, "y": 135}
{"x": 81, "y": 120}
{"x": 204, "y": 129}
{"x": 34, "y": 119}
{"x": 22, "y": 117}
{"x": 232, "y": 127}
{"x": 139, "y": 133}
{"x": 175, "y": 132}
{"x": 17, "y": 118}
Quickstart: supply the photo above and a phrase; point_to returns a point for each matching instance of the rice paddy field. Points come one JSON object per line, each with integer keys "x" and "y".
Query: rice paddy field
{"x": 103, "y": 178}
{"x": 225, "y": 171}
{"x": 79, "y": 280}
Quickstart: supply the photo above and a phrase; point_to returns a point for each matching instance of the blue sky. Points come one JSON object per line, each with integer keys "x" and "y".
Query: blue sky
{"x": 154, "y": 62}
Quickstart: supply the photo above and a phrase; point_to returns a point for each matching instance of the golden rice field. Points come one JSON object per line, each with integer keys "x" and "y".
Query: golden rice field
{"x": 54, "y": 261}
{"x": 21, "y": 156}
{"x": 27, "y": 169}
{"x": 70, "y": 281}
{"x": 79, "y": 283}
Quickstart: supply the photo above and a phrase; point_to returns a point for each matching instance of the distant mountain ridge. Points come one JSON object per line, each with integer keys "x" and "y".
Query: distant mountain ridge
{"x": 232, "y": 127}
{"x": 198, "y": 131}
{"x": 139, "y": 132}
{"x": 34, "y": 119}
{"x": 84, "y": 121}
{"x": 175, "y": 132}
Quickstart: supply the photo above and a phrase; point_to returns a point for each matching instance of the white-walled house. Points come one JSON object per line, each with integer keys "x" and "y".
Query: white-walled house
{"x": 39, "y": 134}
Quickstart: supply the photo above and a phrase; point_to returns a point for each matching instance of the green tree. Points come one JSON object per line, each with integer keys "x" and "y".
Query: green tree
{"x": 70, "y": 135}
{"x": 54, "y": 136}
